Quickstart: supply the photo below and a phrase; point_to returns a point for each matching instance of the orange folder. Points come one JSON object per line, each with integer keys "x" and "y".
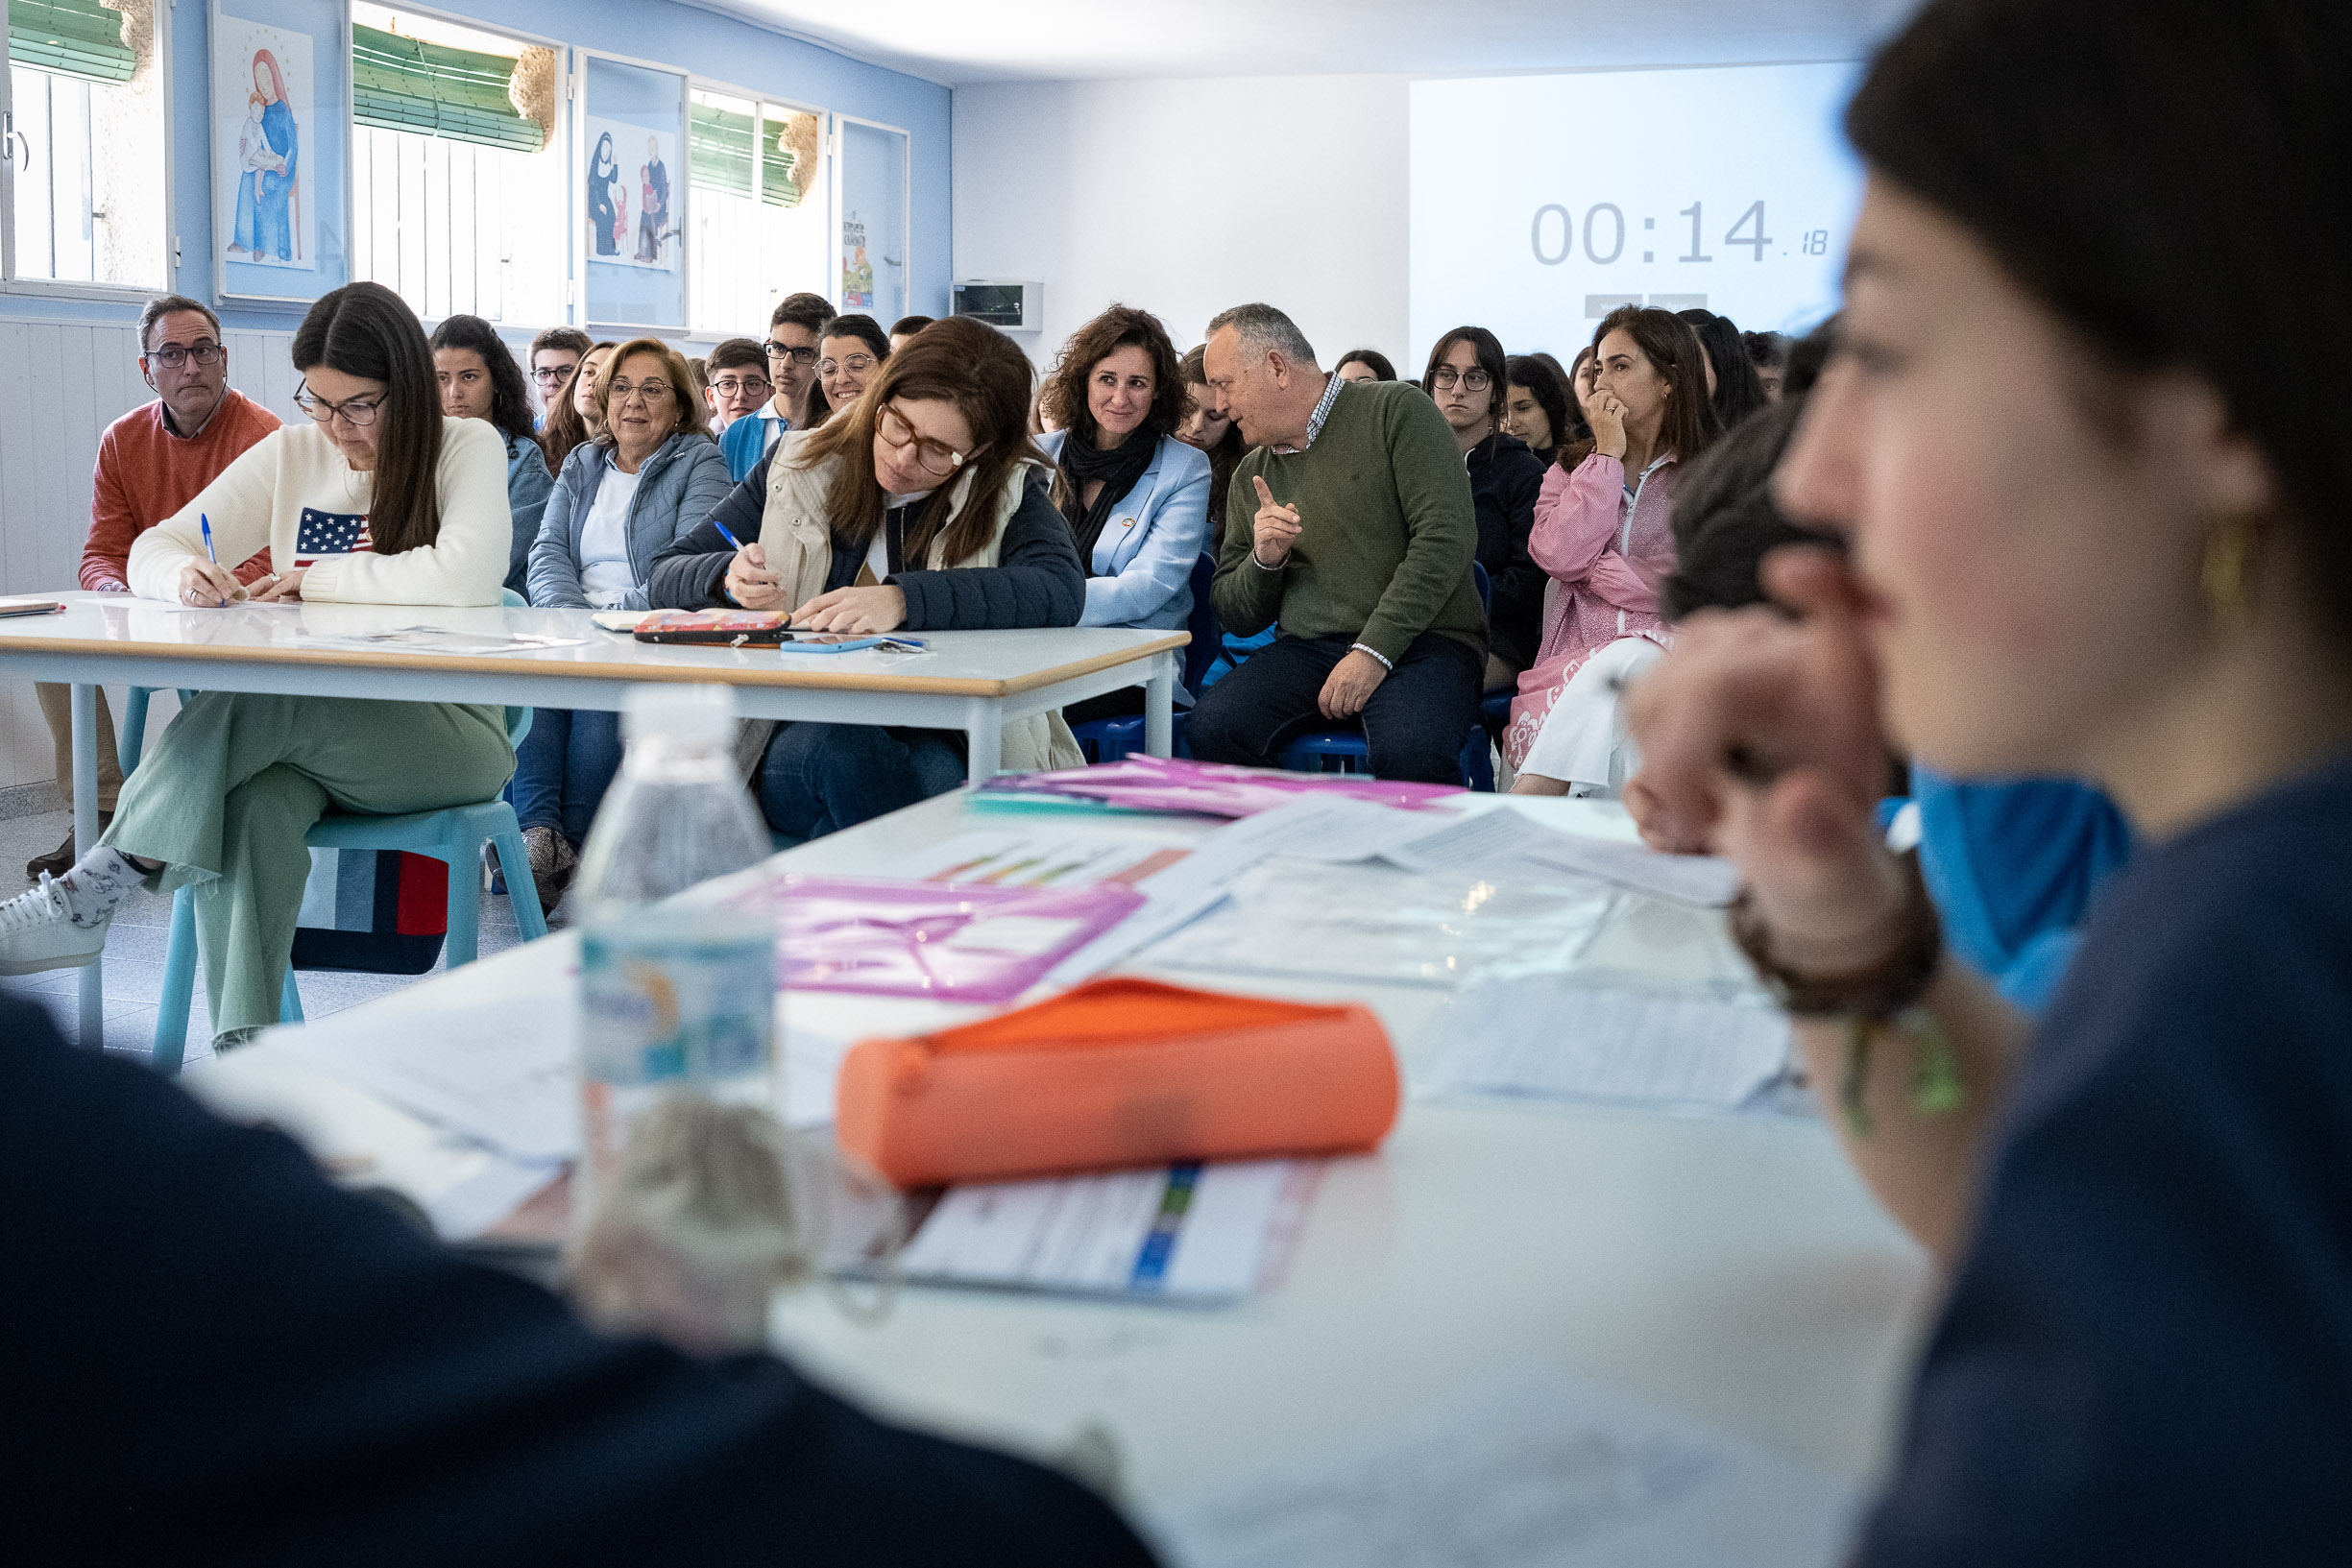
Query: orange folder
{"x": 1118, "y": 1073}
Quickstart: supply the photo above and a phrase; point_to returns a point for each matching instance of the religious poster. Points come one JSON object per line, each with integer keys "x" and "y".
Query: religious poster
{"x": 634, "y": 212}
{"x": 262, "y": 110}
{"x": 857, "y": 271}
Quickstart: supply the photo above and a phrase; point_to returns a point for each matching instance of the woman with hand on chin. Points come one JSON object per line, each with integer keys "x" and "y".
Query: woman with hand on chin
{"x": 925, "y": 507}
{"x": 1465, "y": 378}
{"x": 2097, "y": 516}
{"x": 1136, "y": 498}
{"x": 621, "y": 499}
{"x": 381, "y": 499}
{"x": 1604, "y": 532}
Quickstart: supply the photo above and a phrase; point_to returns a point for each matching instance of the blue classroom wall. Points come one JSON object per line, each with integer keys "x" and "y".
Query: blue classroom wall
{"x": 656, "y": 32}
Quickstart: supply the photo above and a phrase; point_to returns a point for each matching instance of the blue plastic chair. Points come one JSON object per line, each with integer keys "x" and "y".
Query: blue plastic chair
{"x": 453, "y": 836}
{"x": 1319, "y": 751}
{"x": 1108, "y": 740}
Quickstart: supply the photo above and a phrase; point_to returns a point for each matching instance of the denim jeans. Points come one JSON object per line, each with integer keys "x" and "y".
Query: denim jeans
{"x": 820, "y": 777}
{"x": 563, "y": 768}
{"x": 1414, "y": 724}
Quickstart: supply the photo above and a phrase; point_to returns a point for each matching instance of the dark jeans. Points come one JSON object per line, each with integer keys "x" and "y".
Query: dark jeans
{"x": 820, "y": 777}
{"x": 1414, "y": 724}
{"x": 563, "y": 768}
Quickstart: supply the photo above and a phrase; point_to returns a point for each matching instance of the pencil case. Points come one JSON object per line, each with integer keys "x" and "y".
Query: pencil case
{"x": 757, "y": 628}
{"x": 1118, "y": 1073}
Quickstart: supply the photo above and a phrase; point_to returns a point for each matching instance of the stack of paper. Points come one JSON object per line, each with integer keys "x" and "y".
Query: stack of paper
{"x": 1576, "y": 1036}
{"x": 1531, "y": 1471}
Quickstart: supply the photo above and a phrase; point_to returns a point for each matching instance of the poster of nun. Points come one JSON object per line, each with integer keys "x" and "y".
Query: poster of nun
{"x": 262, "y": 88}
{"x": 634, "y": 218}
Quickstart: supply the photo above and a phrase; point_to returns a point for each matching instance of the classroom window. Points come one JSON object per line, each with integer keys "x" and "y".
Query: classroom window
{"x": 457, "y": 168}
{"x": 758, "y": 171}
{"x": 84, "y": 149}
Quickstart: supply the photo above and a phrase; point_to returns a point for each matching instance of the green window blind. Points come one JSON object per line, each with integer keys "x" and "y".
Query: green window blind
{"x": 402, "y": 84}
{"x": 76, "y": 37}
{"x": 721, "y": 148}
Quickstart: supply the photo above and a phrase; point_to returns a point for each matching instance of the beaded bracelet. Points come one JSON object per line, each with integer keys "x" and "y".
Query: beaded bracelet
{"x": 1883, "y": 996}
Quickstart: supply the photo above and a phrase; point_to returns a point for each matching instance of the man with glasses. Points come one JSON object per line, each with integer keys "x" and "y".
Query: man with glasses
{"x": 151, "y": 463}
{"x": 737, "y": 383}
{"x": 795, "y": 332}
{"x": 555, "y": 358}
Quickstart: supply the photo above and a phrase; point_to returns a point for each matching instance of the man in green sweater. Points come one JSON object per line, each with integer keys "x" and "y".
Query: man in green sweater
{"x": 1349, "y": 528}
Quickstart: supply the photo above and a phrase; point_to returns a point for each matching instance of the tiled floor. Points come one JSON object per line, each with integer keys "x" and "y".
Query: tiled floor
{"x": 134, "y": 965}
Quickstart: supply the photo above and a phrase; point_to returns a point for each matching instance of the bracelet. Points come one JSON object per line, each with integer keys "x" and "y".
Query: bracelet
{"x": 1879, "y": 997}
{"x": 1358, "y": 648}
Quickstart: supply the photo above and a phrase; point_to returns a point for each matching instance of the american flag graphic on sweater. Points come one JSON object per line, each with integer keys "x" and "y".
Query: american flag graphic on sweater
{"x": 330, "y": 533}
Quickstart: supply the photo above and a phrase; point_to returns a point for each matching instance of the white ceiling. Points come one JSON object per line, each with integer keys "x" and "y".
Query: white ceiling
{"x": 960, "y": 41}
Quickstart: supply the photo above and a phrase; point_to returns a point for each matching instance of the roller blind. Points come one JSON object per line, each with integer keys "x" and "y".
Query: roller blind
{"x": 403, "y": 83}
{"x": 75, "y": 38}
{"x": 722, "y": 146}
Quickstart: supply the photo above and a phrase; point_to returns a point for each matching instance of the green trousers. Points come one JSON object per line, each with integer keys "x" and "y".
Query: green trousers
{"x": 225, "y": 797}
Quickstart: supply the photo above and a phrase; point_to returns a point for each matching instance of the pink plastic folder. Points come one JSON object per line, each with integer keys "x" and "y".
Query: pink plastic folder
{"x": 984, "y": 944}
{"x": 1175, "y": 783}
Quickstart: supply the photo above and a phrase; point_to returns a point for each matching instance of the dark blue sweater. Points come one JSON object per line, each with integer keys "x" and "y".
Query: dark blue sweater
{"x": 2146, "y": 1355}
{"x": 208, "y": 1353}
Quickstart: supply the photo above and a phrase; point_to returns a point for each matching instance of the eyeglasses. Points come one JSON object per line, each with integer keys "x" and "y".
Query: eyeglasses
{"x": 798, "y": 356}
{"x": 652, "y": 392}
{"x": 552, "y": 376}
{"x": 172, "y": 357}
{"x": 935, "y": 456}
{"x": 355, "y": 412}
{"x": 1445, "y": 375}
{"x": 855, "y": 364}
{"x": 753, "y": 386}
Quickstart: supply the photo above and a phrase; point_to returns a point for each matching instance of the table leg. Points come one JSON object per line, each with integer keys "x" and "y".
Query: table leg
{"x": 984, "y": 728}
{"x": 1159, "y": 706}
{"x": 86, "y": 839}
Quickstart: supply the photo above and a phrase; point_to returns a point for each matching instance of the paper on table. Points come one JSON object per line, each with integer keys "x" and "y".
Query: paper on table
{"x": 1335, "y": 828}
{"x": 1189, "y": 1232}
{"x": 1382, "y": 924}
{"x": 1504, "y": 843}
{"x": 1531, "y": 1471}
{"x": 1577, "y": 1036}
{"x": 433, "y": 640}
{"x": 503, "y": 1073}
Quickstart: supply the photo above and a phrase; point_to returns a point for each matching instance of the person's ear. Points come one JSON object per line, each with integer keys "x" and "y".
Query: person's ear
{"x": 2181, "y": 420}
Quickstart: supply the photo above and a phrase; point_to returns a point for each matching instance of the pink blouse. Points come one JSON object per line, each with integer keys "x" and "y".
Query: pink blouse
{"x": 1607, "y": 552}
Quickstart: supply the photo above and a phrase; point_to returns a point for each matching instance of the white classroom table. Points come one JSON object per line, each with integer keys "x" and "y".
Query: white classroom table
{"x": 971, "y": 681}
{"x": 1729, "y": 1268}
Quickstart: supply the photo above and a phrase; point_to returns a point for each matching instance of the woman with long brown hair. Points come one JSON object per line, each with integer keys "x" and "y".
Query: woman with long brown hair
{"x": 573, "y": 419}
{"x": 1603, "y": 531}
{"x": 380, "y": 499}
{"x": 1136, "y": 498}
{"x": 924, "y": 506}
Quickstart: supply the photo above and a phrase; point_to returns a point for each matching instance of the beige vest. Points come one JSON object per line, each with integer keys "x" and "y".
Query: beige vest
{"x": 796, "y": 536}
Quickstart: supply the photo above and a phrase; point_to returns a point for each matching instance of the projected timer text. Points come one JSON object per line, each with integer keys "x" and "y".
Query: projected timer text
{"x": 1555, "y": 234}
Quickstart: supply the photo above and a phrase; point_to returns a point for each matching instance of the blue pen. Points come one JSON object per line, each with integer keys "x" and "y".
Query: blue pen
{"x": 205, "y": 522}
{"x": 722, "y": 532}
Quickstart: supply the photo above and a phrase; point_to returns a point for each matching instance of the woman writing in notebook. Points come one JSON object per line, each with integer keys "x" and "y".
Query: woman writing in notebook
{"x": 925, "y": 507}
{"x": 381, "y": 499}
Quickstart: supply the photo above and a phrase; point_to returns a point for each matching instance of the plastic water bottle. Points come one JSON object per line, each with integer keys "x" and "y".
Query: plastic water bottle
{"x": 677, "y": 996}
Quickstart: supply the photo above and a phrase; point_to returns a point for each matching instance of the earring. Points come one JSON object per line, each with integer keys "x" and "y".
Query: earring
{"x": 2227, "y": 571}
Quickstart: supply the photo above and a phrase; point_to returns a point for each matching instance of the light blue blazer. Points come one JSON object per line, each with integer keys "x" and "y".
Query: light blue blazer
{"x": 1142, "y": 570}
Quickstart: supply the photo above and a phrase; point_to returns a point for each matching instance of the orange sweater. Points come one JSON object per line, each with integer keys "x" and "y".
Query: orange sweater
{"x": 146, "y": 474}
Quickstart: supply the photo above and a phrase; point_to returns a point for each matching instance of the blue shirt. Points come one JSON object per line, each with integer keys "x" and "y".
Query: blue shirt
{"x": 2146, "y": 1354}
{"x": 2012, "y": 868}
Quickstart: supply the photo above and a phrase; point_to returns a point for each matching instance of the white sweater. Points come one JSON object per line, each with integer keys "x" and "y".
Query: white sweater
{"x": 293, "y": 492}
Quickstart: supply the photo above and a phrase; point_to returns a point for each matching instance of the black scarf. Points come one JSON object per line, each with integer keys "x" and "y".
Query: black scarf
{"x": 1118, "y": 468}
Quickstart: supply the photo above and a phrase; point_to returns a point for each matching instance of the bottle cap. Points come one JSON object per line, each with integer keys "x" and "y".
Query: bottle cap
{"x": 695, "y": 715}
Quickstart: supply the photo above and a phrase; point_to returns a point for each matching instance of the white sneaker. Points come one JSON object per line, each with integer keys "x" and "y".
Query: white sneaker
{"x": 38, "y": 932}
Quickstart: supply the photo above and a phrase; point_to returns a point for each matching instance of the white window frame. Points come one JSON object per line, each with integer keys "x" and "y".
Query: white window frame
{"x": 113, "y": 293}
{"x": 827, "y": 124}
{"x": 625, "y": 331}
{"x": 906, "y": 222}
{"x": 567, "y": 101}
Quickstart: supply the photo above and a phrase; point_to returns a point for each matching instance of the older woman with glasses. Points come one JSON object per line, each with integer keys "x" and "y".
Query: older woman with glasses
{"x": 621, "y": 499}
{"x": 924, "y": 507}
{"x": 379, "y": 500}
